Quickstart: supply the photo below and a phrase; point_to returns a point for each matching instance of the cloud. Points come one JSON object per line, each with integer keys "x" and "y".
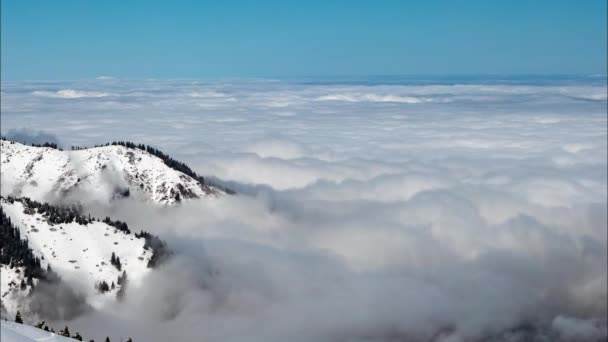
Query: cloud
{"x": 70, "y": 94}
{"x": 29, "y": 136}
{"x": 56, "y": 301}
{"x": 354, "y": 97}
{"x": 206, "y": 94}
{"x": 477, "y": 213}
{"x": 277, "y": 148}
{"x": 572, "y": 329}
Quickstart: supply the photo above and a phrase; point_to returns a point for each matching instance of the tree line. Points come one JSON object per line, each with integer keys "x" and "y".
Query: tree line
{"x": 46, "y": 144}
{"x": 64, "y": 214}
{"x": 63, "y": 332}
{"x": 16, "y": 252}
{"x": 160, "y": 251}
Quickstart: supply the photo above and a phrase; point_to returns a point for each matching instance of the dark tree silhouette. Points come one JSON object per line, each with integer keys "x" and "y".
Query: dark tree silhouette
{"x": 65, "y": 332}
{"x": 160, "y": 251}
{"x": 103, "y": 287}
{"x": 115, "y": 261}
{"x": 18, "y": 318}
{"x": 16, "y": 252}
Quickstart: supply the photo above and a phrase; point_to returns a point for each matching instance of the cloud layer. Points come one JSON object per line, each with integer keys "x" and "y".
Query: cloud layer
{"x": 368, "y": 212}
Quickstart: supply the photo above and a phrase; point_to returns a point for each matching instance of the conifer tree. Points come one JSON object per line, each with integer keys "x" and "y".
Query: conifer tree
{"x": 18, "y": 318}
{"x": 103, "y": 287}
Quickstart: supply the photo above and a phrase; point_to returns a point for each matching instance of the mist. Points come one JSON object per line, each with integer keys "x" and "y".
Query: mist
{"x": 378, "y": 212}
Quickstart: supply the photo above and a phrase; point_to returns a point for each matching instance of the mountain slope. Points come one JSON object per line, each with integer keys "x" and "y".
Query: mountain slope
{"x": 14, "y": 332}
{"x": 104, "y": 172}
{"x": 12, "y": 295}
{"x": 78, "y": 248}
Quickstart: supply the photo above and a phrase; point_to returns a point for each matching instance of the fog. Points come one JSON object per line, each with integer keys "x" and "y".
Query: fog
{"x": 418, "y": 210}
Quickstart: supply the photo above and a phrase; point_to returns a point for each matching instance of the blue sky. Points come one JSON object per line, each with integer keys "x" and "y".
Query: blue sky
{"x": 210, "y": 39}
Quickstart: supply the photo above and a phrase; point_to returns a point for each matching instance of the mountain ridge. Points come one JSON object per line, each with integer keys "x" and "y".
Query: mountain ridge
{"x": 108, "y": 171}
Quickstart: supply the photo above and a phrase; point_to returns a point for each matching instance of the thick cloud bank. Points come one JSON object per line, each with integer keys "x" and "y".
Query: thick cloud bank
{"x": 393, "y": 210}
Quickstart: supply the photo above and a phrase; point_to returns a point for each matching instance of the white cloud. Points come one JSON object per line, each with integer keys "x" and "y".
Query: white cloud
{"x": 69, "y": 94}
{"x": 355, "y": 97}
{"x": 476, "y": 211}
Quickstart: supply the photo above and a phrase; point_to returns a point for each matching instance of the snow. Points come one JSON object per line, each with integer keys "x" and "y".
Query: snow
{"x": 106, "y": 171}
{"x": 10, "y": 293}
{"x": 80, "y": 254}
{"x": 15, "y": 332}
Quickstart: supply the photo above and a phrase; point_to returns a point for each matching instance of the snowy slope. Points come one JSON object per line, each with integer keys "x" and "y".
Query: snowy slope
{"x": 80, "y": 254}
{"x": 14, "y": 332}
{"x": 103, "y": 172}
{"x": 10, "y": 293}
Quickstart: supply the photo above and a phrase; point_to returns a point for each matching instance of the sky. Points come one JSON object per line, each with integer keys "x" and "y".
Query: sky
{"x": 62, "y": 40}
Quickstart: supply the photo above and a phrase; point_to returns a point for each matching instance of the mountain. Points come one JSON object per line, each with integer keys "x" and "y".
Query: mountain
{"x": 97, "y": 258}
{"x": 104, "y": 172}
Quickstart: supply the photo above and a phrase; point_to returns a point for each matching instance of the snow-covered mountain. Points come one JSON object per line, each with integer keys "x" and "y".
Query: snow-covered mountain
{"x": 78, "y": 248}
{"x": 44, "y": 173}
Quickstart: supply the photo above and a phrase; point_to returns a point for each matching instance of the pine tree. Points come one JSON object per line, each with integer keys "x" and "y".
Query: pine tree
{"x": 77, "y": 336}
{"x": 65, "y": 332}
{"x": 107, "y": 339}
{"x": 23, "y": 286}
{"x": 130, "y": 340}
{"x": 103, "y": 287}
{"x": 18, "y": 318}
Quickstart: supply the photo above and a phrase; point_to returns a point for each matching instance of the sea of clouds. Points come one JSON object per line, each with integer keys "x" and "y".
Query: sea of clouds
{"x": 368, "y": 209}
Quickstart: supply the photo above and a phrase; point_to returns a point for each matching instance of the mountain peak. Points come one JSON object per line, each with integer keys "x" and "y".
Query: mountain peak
{"x": 110, "y": 171}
